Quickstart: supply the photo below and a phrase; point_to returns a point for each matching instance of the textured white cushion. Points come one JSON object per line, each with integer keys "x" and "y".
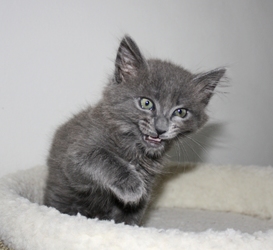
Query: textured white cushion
{"x": 197, "y": 193}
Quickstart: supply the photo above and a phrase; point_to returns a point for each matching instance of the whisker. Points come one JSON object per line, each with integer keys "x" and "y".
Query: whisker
{"x": 181, "y": 144}
{"x": 193, "y": 150}
{"x": 204, "y": 149}
{"x": 197, "y": 143}
{"x": 180, "y": 147}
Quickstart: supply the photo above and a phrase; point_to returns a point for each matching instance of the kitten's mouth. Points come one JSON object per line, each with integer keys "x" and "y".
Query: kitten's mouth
{"x": 155, "y": 141}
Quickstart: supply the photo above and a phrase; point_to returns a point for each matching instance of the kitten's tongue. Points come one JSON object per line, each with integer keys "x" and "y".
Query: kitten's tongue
{"x": 153, "y": 139}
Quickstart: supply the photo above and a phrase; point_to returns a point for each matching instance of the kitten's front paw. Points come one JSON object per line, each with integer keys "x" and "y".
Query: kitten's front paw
{"x": 129, "y": 188}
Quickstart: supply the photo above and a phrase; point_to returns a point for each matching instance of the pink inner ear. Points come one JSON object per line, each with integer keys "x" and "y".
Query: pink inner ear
{"x": 127, "y": 67}
{"x": 129, "y": 59}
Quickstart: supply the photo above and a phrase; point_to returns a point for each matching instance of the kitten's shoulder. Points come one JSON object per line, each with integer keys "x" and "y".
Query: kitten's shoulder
{"x": 76, "y": 123}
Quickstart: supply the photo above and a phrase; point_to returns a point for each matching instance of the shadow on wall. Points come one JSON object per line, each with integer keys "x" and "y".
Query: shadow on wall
{"x": 195, "y": 147}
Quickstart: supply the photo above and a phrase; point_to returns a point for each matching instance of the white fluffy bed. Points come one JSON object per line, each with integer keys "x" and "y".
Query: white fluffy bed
{"x": 196, "y": 207}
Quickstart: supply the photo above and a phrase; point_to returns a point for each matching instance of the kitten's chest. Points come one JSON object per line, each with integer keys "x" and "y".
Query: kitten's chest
{"x": 147, "y": 167}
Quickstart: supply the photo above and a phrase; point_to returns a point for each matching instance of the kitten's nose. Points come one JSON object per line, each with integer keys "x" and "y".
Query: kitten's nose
{"x": 161, "y": 125}
{"x": 160, "y": 132}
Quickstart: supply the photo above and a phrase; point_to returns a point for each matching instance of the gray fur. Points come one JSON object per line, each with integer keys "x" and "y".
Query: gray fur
{"x": 104, "y": 161}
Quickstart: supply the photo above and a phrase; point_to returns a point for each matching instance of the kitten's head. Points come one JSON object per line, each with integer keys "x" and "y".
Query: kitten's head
{"x": 153, "y": 102}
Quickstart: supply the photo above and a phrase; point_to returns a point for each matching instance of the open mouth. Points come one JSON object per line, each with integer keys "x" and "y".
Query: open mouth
{"x": 152, "y": 140}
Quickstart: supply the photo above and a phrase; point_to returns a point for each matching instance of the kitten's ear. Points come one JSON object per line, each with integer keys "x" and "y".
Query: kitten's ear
{"x": 206, "y": 83}
{"x": 128, "y": 61}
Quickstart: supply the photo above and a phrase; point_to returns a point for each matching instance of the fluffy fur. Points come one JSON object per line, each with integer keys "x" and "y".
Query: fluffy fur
{"x": 243, "y": 189}
{"x": 103, "y": 162}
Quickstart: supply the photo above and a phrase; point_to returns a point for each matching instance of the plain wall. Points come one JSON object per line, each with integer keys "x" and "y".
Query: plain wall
{"x": 56, "y": 56}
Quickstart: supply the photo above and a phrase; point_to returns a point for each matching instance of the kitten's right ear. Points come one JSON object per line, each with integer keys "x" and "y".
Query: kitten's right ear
{"x": 129, "y": 60}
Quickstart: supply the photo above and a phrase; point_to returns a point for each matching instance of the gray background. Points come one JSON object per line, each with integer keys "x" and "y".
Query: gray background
{"x": 56, "y": 56}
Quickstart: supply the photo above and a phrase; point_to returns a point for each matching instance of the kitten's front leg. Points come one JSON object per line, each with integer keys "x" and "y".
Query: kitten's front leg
{"x": 127, "y": 186}
{"x": 111, "y": 173}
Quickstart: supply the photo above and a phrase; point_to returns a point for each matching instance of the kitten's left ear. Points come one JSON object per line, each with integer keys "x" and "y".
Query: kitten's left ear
{"x": 206, "y": 83}
{"x": 129, "y": 60}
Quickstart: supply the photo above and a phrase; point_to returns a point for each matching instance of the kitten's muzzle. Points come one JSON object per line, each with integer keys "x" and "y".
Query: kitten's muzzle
{"x": 161, "y": 125}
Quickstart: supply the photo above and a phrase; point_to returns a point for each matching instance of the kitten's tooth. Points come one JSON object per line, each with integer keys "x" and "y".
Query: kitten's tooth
{"x": 155, "y": 139}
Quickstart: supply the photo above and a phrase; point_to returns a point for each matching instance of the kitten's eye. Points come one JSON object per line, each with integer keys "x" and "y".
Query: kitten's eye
{"x": 146, "y": 104}
{"x": 182, "y": 113}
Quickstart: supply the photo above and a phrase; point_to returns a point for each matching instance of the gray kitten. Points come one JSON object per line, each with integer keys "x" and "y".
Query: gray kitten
{"x": 104, "y": 161}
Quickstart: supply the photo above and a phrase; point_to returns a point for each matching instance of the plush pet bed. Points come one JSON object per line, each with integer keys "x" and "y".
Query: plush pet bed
{"x": 196, "y": 206}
